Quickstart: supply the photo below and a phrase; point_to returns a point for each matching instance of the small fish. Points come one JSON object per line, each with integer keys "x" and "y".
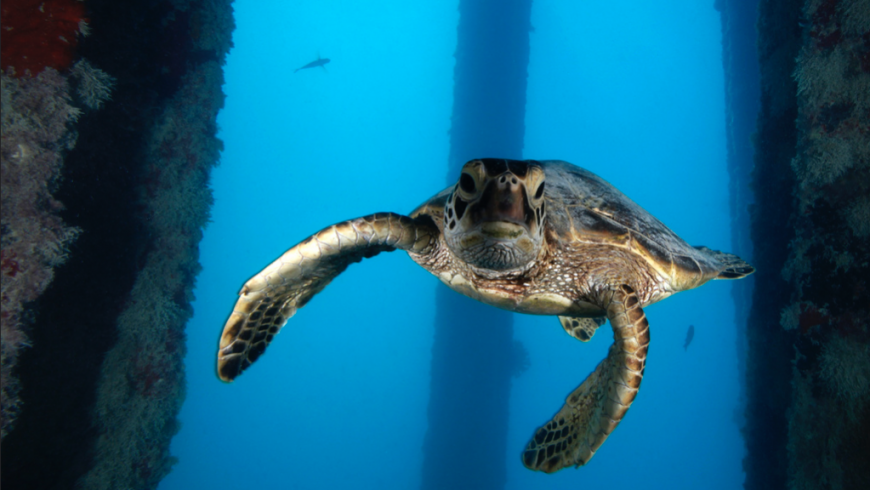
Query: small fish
{"x": 314, "y": 64}
{"x": 689, "y": 336}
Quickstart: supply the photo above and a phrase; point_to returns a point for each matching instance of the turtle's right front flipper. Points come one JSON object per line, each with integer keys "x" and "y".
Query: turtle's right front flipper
{"x": 271, "y": 297}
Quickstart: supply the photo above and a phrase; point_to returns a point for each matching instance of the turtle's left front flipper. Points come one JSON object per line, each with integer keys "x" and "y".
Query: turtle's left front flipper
{"x": 596, "y": 407}
{"x": 271, "y": 297}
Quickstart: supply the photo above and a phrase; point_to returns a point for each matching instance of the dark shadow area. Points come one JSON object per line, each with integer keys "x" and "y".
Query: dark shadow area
{"x": 473, "y": 354}
{"x": 769, "y": 346}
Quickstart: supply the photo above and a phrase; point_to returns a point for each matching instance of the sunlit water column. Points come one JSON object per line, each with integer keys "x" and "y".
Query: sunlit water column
{"x": 473, "y": 354}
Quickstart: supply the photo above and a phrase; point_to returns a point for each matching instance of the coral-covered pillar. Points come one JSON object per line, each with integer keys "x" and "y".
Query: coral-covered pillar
{"x": 121, "y": 130}
{"x": 808, "y": 416}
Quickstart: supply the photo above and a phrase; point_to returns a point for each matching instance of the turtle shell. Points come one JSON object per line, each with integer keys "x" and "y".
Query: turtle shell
{"x": 583, "y": 208}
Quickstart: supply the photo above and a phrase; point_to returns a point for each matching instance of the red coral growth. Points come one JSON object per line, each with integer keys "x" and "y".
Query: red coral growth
{"x": 154, "y": 374}
{"x": 851, "y": 324}
{"x": 826, "y": 12}
{"x": 828, "y": 41}
{"x": 147, "y": 374}
{"x": 811, "y": 316}
{"x": 864, "y": 52}
{"x": 150, "y": 378}
{"x": 8, "y": 264}
{"x": 37, "y": 34}
{"x": 826, "y": 31}
{"x": 142, "y": 468}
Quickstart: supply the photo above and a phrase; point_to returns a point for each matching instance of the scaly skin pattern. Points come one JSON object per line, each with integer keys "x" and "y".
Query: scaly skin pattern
{"x": 271, "y": 297}
{"x": 594, "y": 409}
{"x": 575, "y": 248}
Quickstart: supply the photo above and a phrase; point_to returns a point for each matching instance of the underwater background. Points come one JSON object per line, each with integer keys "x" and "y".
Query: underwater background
{"x": 629, "y": 90}
{"x": 156, "y": 155}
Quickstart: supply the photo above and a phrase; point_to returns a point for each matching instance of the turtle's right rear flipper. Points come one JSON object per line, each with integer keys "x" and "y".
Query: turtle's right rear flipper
{"x": 733, "y": 267}
{"x": 271, "y": 297}
{"x": 596, "y": 407}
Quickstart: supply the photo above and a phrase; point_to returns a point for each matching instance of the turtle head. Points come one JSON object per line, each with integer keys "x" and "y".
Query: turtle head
{"x": 494, "y": 218}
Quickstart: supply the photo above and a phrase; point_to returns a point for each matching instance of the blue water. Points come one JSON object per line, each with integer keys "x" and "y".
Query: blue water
{"x": 631, "y": 90}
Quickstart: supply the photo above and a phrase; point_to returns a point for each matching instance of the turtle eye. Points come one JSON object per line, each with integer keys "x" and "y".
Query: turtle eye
{"x": 540, "y": 191}
{"x": 466, "y": 182}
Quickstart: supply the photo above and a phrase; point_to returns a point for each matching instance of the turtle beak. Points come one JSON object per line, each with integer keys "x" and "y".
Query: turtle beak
{"x": 503, "y": 207}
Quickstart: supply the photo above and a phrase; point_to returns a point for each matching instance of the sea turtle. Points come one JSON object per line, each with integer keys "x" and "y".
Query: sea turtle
{"x": 575, "y": 248}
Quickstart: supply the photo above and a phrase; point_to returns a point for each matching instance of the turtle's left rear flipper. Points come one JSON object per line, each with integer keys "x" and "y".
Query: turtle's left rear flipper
{"x": 271, "y": 297}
